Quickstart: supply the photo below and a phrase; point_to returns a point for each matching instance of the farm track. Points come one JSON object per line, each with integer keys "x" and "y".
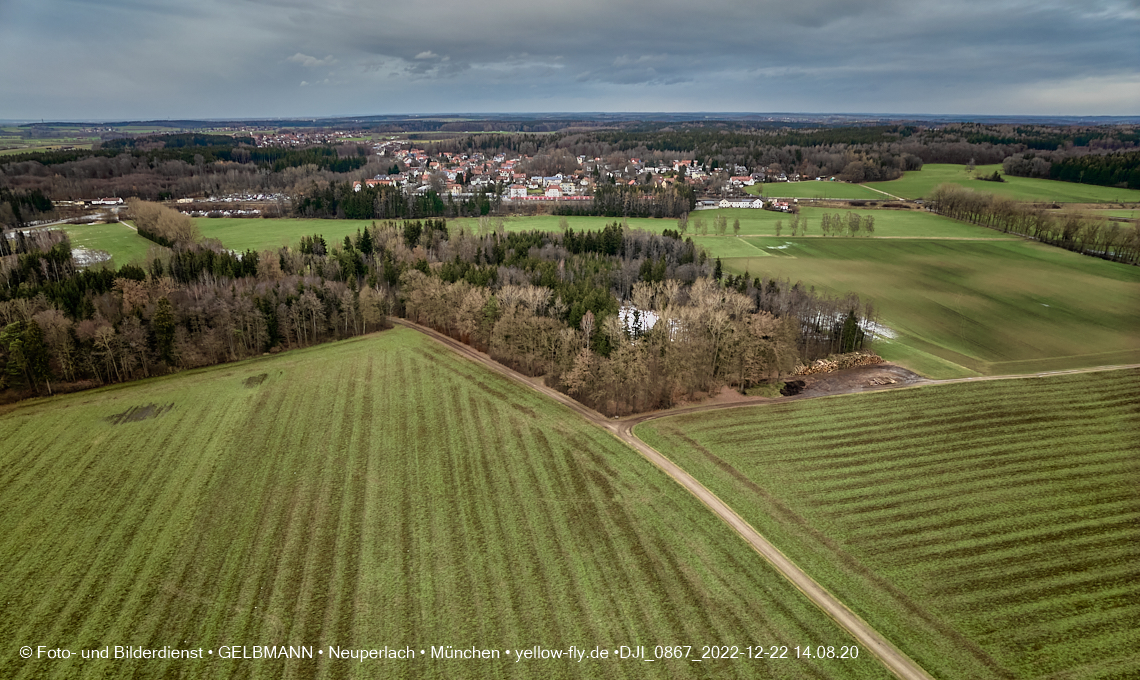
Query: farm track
{"x": 891, "y": 657}
{"x": 897, "y": 662}
{"x": 882, "y": 192}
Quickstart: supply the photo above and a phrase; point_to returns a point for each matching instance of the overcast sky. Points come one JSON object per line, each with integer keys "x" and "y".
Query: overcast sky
{"x": 165, "y": 59}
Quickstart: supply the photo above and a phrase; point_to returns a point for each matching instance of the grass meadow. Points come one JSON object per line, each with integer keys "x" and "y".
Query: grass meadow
{"x": 970, "y": 307}
{"x": 123, "y": 243}
{"x": 258, "y": 234}
{"x": 921, "y": 183}
{"x": 814, "y": 189}
{"x": 379, "y": 491}
{"x": 991, "y": 529}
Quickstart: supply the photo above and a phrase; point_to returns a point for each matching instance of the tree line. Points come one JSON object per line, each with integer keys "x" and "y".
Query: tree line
{"x": 1104, "y": 168}
{"x": 1072, "y": 231}
{"x": 545, "y": 303}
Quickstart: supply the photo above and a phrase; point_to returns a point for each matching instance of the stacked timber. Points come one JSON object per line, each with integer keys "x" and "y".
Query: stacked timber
{"x": 838, "y": 362}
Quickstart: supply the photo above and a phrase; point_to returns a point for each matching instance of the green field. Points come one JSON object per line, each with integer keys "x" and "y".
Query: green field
{"x": 259, "y": 234}
{"x": 380, "y": 491}
{"x": 921, "y": 183}
{"x": 991, "y": 530}
{"x": 551, "y": 222}
{"x": 1108, "y": 212}
{"x": 814, "y": 189}
{"x": 973, "y": 307}
{"x": 13, "y": 141}
{"x": 123, "y": 243}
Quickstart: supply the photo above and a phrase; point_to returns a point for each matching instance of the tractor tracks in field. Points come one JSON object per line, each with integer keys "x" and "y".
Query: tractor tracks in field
{"x": 869, "y": 639}
{"x": 894, "y": 659}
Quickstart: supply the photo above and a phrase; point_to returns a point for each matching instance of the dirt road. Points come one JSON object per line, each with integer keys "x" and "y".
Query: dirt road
{"x": 851, "y": 381}
{"x": 869, "y": 639}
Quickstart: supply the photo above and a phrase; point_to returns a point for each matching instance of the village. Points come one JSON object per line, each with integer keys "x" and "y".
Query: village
{"x": 465, "y": 175}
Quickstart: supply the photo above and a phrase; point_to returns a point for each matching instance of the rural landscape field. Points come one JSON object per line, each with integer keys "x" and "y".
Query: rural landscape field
{"x": 921, "y": 184}
{"x": 585, "y": 341}
{"x": 377, "y": 491}
{"x": 954, "y": 299}
{"x": 990, "y": 529}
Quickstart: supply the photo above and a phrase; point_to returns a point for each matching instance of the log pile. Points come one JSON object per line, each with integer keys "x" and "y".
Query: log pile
{"x": 838, "y": 362}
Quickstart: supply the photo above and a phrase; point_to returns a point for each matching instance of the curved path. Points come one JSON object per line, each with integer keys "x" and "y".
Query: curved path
{"x": 869, "y": 639}
{"x": 891, "y": 657}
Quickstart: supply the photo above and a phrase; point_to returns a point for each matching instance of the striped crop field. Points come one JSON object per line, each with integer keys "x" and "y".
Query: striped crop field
{"x": 379, "y": 492}
{"x": 989, "y": 529}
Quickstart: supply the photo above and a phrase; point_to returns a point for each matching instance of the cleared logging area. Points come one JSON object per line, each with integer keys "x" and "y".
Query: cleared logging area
{"x": 377, "y": 491}
{"x": 989, "y": 529}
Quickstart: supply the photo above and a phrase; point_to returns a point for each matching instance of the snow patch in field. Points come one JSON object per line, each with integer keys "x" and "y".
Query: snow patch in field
{"x": 878, "y": 330}
{"x": 84, "y": 257}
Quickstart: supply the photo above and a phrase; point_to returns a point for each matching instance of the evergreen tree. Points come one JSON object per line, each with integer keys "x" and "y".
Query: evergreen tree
{"x": 163, "y": 325}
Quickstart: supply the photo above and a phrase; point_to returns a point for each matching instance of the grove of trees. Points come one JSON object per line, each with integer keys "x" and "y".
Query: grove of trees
{"x": 1119, "y": 242}
{"x": 545, "y": 303}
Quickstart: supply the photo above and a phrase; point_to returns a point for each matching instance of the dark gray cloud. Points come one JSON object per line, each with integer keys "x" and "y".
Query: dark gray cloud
{"x": 156, "y": 58}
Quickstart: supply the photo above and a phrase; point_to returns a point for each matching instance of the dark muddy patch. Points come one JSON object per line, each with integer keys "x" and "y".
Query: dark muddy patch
{"x": 138, "y": 413}
{"x": 792, "y": 388}
{"x": 255, "y": 380}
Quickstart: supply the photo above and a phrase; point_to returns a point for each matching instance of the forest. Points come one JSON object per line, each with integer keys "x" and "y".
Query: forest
{"x": 546, "y": 303}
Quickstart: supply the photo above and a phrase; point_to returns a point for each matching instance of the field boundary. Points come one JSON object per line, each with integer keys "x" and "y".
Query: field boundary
{"x": 891, "y": 657}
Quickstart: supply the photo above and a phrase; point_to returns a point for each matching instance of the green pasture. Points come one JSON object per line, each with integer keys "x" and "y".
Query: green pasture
{"x": 967, "y": 307}
{"x": 990, "y": 529}
{"x": 1108, "y": 212}
{"x": 551, "y": 223}
{"x": 123, "y": 243}
{"x": 813, "y": 189}
{"x": 912, "y": 223}
{"x": 260, "y": 234}
{"x": 921, "y": 183}
{"x": 896, "y": 223}
{"x": 15, "y": 147}
{"x": 370, "y": 493}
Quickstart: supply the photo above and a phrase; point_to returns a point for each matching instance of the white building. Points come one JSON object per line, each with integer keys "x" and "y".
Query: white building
{"x": 744, "y": 203}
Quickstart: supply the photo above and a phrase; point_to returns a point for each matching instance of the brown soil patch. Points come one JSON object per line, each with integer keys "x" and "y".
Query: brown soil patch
{"x": 138, "y": 413}
{"x": 859, "y": 379}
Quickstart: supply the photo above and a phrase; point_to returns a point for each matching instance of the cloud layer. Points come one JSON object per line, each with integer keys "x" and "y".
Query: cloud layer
{"x": 213, "y": 58}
